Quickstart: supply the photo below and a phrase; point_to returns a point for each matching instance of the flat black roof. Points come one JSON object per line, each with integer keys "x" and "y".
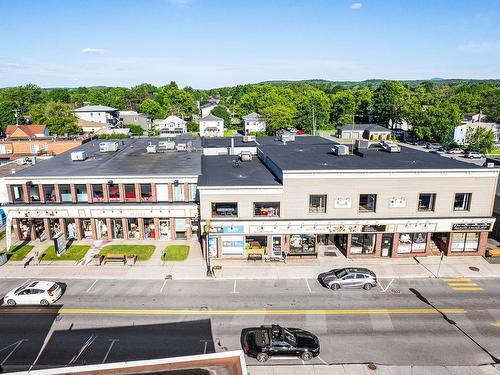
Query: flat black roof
{"x": 295, "y": 157}
{"x": 225, "y": 142}
{"x": 299, "y": 140}
{"x": 223, "y": 171}
{"x": 131, "y": 159}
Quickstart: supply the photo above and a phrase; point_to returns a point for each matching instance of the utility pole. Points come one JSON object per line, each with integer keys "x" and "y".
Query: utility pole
{"x": 16, "y": 112}
{"x": 314, "y": 123}
{"x": 352, "y": 135}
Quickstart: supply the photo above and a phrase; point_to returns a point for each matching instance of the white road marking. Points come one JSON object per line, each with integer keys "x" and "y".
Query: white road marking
{"x": 387, "y": 287}
{"x": 90, "y": 287}
{"x": 322, "y": 360}
{"x": 109, "y": 349}
{"x": 308, "y": 286}
{"x": 163, "y": 286}
{"x": 15, "y": 345}
{"x": 89, "y": 342}
{"x": 234, "y": 287}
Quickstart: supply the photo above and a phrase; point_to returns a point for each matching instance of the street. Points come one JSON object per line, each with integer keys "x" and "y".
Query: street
{"x": 402, "y": 321}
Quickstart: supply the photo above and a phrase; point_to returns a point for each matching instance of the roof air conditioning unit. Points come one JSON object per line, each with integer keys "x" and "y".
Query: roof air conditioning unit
{"x": 152, "y": 149}
{"x": 181, "y": 147}
{"x": 285, "y": 137}
{"x": 79, "y": 155}
{"x": 362, "y": 143}
{"x": 246, "y": 156}
{"x": 249, "y": 138}
{"x": 108, "y": 146}
{"x": 166, "y": 145}
{"x": 340, "y": 150}
{"x": 490, "y": 165}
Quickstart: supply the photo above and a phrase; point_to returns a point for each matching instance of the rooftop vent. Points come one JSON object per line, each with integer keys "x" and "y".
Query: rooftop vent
{"x": 152, "y": 148}
{"x": 108, "y": 146}
{"x": 166, "y": 145}
{"x": 246, "y": 156}
{"x": 362, "y": 144}
{"x": 340, "y": 150}
{"x": 79, "y": 155}
{"x": 390, "y": 146}
{"x": 181, "y": 147}
{"x": 489, "y": 164}
{"x": 285, "y": 137}
{"x": 249, "y": 138}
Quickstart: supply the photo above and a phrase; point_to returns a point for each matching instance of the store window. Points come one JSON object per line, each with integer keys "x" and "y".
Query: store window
{"x": 81, "y": 193}
{"x": 130, "y": 195}
{"x": 133, "y": 229}
{"x": 17, "y": 193}
{"x": 317, "y": 203}
{"x": 464, "y": 242}
{"x": 49, "y": 193}
{"x": 164, "y": 229}
{"x": 34, "y": 191}
{"x": 97, "y": 193}
{"x": 65, "y": 191}
{"x": 178, "y": 192}
{"x": 180, "y": 228}
{"x": 55, "y": 227}
{"x": 117, "y": 228}
{"x": 101, "y": 229}
{"x": 149, "y": 229}
{"x": 224, "y": 209}
{"x": 24, "y": 228}
{"x": 192, "y": 192}
{"x": 462, "y": 202}
{"x": 426, "y": 201}
{"x": 146, "y": 193}
{"x": 302, "y": 244}
{"x": 255, "y": 242}
{"x": 86, "y": 228}
{"x": 271, "y": 209}
{"x": 71, "y": 228}
{"x": 363, "y": 243}
{"x": 367, "y": 202}
{"x": 162, "y": 192}
{"x": 412, "y": 243}
{"x": 114, "y": 193}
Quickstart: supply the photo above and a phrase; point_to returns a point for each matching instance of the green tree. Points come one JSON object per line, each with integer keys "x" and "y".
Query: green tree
{"x": 137, "y": 94}
{"x": 59, "y": 95}
{"x": 222, "y": 112}
{"x": 57, "y": 116}
{"x": 278, "y": 117}
{"x": 343, "y": 108}
{"x": 153, "y": 108}
{"x": 308, "y": 102}
{"x": 390, "y": 103}
{"x": 480, "y": 140}
{"x": 435, "y": 123}
{"x": 467, "y": 101}
{"x": 363, "y": 99}
{"x": 135, "y": 129}
{"x": 19, "y": 99}
{"x": 492, "y": 105}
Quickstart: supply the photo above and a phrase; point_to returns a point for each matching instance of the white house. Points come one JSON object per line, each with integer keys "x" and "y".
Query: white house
{"x": 206, "y": 109}
{"x": 473, "y": 121}
{"x": 100, "y": 114}
{"x": 254, "y": 123}
{"x": 211, "y": 126}
{"x": 171, "y": 126}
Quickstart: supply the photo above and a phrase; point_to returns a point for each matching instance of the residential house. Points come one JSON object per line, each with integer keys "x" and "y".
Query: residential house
{"x": 135, "y": 118}
{"x": 367, "y": 131}
{"x": 171, "y": 126}
{"x": 215, "y": 99}
{"x": 32, "y": 131}
{"x": 253, "y": 123}
{"x": 99, "y": 114}
{"x": 206, "y": 109}
{"x": 211, "y": 126}
{"x": 473, "y": 121}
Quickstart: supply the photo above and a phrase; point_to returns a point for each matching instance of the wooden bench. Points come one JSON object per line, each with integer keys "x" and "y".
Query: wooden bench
{"x": 303, "y": 255}
{"x": 254, "y": 256}
{"x": 115, "y": 258}
{"x": 494, "y": 252}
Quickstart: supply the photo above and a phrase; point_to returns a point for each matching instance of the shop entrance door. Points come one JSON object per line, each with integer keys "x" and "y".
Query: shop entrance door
{"x": 164, "y": 229}
{"x": 386, "y": 245}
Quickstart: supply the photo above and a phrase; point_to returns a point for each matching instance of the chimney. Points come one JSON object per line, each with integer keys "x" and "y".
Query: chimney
{"x": 232, "y": 146}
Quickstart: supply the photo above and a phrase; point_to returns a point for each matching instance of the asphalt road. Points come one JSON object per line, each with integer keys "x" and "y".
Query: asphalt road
{"x": 402, "y": 322}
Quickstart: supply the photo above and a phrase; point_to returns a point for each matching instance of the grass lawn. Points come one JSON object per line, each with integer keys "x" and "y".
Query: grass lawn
{"x": 74, "y": 252}
{"x": 495, "y": 151}
{"x": 143, "y": 252}
{"x": 18, "y": 252}
{"x": 2, "y": 235}
{"x": 176, "y": 252}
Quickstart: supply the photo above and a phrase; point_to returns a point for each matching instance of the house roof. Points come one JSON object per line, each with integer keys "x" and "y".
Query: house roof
{"x": 98, "y": 125}
{"x": 209, "y": 105}
{"x": 95, "y": 108}
{"x": 253, "y": 116}
{"x": 363, "y": 127}
{"x": 211, "y": 117}
{"x": 24, "y": 131}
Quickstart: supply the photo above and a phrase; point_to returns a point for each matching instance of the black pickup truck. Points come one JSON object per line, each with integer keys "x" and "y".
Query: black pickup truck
{"x": 265, "y": 341}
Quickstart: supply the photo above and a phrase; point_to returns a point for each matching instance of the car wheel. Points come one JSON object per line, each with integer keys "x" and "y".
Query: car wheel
{"x": 44, "y": 302}
{"x": 306, "y": 356}
{"x": 262, "y": 357}
{"x": 335, "y": 286}
{"x": 367, "y": 286}
{"x": 11, "y": 302}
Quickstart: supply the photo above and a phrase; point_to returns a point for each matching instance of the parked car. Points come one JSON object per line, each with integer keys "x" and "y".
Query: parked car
{"x": 438, "y": 151}
{"x": 300, "y": 132}
{"x": 455, "y": 151}
{"x": 348, "y": 278}
{"x": 266, "y": 341}
{"x": 473, "y": 155}
{"x": 433, "y": 146}
{"x": 35, "y": 293}
{"x": 419, "y": 143}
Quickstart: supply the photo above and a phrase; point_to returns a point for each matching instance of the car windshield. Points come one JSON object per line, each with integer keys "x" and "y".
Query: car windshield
{"x": 19, "y": 289}
{"x": 341, "y": 273}
{"x": 289, "y": 337}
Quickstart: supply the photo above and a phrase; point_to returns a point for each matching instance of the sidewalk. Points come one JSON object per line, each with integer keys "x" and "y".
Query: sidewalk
{"x": 380, "y": 370}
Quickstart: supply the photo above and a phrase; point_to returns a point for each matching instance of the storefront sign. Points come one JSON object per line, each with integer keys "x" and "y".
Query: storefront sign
{"x": 471, "y": 226}
{"x": 276, "y": 247}
{"x": 342, "y": 203}
{"x": 397, "y": 202}
{"x": 233, "y": 245}
{"x": 216, "y": 230}
{"x": 239, "y": 229}
{"x": 212, "y": 246}
{"x": 373, "y": 228}
{"x": 60, "y": 243}
{"x": 345, "y": 228}
{"x": 416, "y": 227}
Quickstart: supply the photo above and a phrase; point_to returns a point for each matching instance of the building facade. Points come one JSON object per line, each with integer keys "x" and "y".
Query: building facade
{"x": 99, "y": 113}
{"x": 211, "y": 126}
{"x": 171, "y": 126}
{"x": 253, "y": 123}
{"x": 135, "y": 118}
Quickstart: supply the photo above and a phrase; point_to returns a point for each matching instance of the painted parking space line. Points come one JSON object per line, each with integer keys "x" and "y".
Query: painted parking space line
{"x": 163, "y": 286}
{"x": 113, "y": 341}
{"x": 91, "y": 286}
{"x": 387, "y": 287}
{"x": 234, "y": 287}
{"x": 308, "y": 286}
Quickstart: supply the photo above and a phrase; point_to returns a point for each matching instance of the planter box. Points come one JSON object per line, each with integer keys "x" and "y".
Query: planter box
{"x": 96, "y": 260}
{"x": 131, "y": 259}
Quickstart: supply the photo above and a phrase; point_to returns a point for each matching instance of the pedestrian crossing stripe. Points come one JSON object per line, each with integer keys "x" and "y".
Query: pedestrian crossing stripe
{"x": 459, "y": 279}
{"x": 495, "y": 324}
{"x": 462, "y": 284}
{"x": 466, "y": 289}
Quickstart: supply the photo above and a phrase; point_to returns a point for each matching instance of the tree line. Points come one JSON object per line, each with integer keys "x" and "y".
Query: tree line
{"x": 432, "y": 108}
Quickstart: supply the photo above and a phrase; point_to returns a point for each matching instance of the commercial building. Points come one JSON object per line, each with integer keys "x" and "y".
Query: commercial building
{"x": 127, "y": 189}
{"x": 301, "y": 199}
{"x": 367, "y": 131}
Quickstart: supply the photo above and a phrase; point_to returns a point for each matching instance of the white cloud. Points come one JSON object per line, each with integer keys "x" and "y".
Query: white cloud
{"x": 92, "y": 50}
{"x": 356, "y": 5}
{"x": 6, "y": 66}
{"x": 481, "y": 47}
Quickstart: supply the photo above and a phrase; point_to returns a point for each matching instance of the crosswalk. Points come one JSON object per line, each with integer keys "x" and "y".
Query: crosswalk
{"x": 463, "y": 285}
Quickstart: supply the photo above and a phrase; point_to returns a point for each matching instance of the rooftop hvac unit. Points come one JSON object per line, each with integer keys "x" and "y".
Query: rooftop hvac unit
{"x": 166, "y": 145}
{"x": 108, "y": 146}
{"x": 249, "y": 138}
{"x": 21, "y": 161}
{"x": 362, "y": 143}
{"x": 340, "y": 150}
{"x": 287, "y": 137}
{"x": 246, "y": 156}
{"x": 490, "y": 165}
{"x": 181, "y": 147}
{"x": 79, "y": 155}
{"x": 152, "y": 149}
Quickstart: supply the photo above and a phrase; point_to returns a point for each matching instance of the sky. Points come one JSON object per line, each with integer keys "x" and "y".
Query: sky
{"x": 207, "y": 44}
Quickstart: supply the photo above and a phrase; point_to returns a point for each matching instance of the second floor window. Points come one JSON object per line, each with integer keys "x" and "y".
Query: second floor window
{"x": 225, "y": 209}
{"x": 367, "y": 202}
{"x": 49, "y": 193}
{"x": 146, "y": 193}
{"x": 317, "y": 203}
{"x": 462, "y": 202}
{"x": 271, "y": 209}
{"x": 81, "y": 193}
{"x": 97, "y": 193}
{"x": 130, "y": 195}
{"x": 114, "y": 193}
{"x": 65, "y": 191}
{"x": 34, "y": 193}
{"x": 178, "y": 192}
{"x": 17, "y": 193}
{"x": 426, "y": 201}
{"x": 192, "y": 192}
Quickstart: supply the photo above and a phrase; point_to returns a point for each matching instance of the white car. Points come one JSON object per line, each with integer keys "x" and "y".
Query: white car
{"x": 473, "y": 155}
{"x": 34, "y": 293}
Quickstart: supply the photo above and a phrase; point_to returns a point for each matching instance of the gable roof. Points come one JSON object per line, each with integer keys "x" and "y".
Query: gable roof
{"x": 95, "y": 108}
{"x": 24, "y": 131}
{"x": 211, "y": 117}
{"x": 253, "y": 116}
{"x": 209, "y": 105}
{"x": 363, "y": 127}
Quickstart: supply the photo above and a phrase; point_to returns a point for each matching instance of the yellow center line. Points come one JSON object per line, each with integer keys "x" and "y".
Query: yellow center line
{"x": 231, "y": 312}
{"x": 495, "y": 324}
{"x": 462, "y": 284}
{"x": 464, "y": 289}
